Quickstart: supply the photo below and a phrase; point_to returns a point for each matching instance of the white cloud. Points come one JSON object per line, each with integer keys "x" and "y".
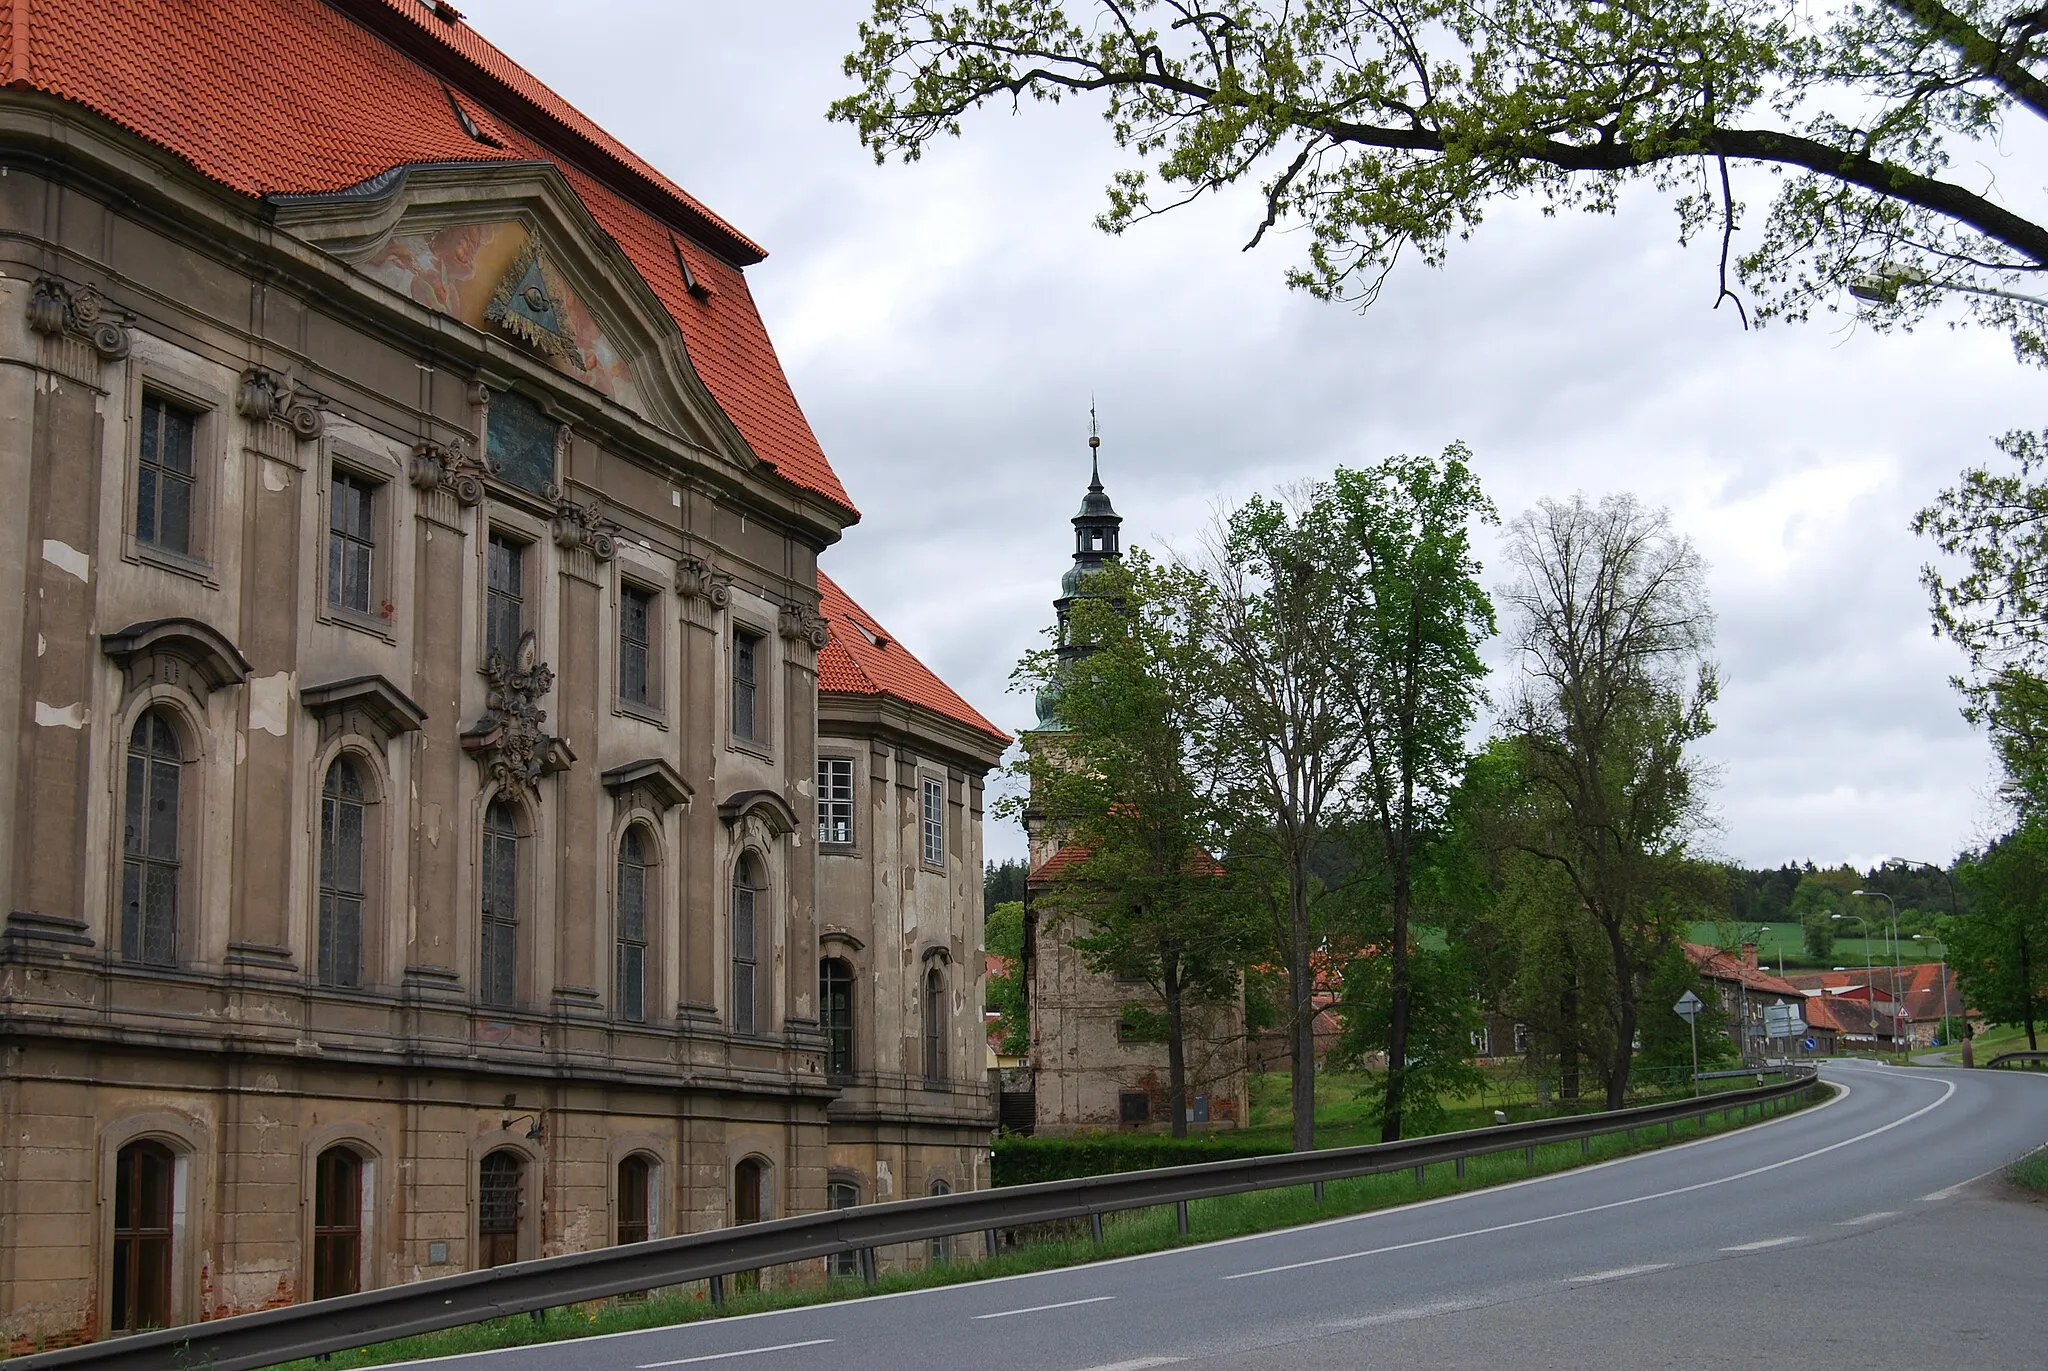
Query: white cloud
{"x": 946, "y": 325}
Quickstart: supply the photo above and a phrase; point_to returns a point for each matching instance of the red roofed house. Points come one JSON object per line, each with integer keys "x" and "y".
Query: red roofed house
{"x": 1746, "y": 990}
{"x": 1927, "y": 992}
{"x": 422, "y": 680}
{"x": 1089, "y": 1069}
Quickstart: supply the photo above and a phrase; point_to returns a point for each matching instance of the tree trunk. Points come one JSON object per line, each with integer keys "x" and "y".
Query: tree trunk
{"x": 1624, "y": 1053}
{"x": 1302, "y": 990}
{"x": 1176, "y": 1048}
{"x": 2031, "y": 1001}
{"x": 1397, "y": 1035}
{"x": 1568, "y": 1038}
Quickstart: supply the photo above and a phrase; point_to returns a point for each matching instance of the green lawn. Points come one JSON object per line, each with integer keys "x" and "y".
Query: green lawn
{"x": 1783, "y": 946}
{"x": 1125, "y": 1234}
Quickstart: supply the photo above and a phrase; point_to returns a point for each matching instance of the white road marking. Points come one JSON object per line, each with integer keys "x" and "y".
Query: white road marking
{"x": 1868, "y": 1218}
{"x": 1765, "y": 1244}
{"x": 724, "y": 1356}
{"x": 1960, "y": 1186}
{"x": 1419, "y": 1311}
{"x": 1618, "y": 1272}
{"x": 1041, "y": 1308}
{"x": 1140, "y": 1364}
{"x": 1948, "y": 1091}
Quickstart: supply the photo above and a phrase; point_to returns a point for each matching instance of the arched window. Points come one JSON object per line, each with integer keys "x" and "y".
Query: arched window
{"x": 150, "y": 843}
{"x": 498, "y": 979}
{"x": 841, "y": 1194}
{"x": 750, "y": 1191}
{"x": 935, "y": 1026}
{"x": 341, "y": 875}
{"x": 145, "y": 1178}
{"x": 747, "y": 889}
{"x": 835, "y": 1003}
{"x": 632, "y": 926}
{"x": 499, "y": 1201}
{"x": 635, "y": 1199}
{"x": 942, "y": 1248}
{"x": 337, "y": 1223}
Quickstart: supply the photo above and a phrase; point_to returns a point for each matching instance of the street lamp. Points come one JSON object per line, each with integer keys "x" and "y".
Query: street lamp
{"x": 1882, "y": 287}
{"x": 1897, "y": 1002}
{"x": 1869, "y": 990}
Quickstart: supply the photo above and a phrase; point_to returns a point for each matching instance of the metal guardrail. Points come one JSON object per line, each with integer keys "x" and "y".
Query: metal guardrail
{"x": 2017, "y": 1057}
{"x": 248, "y": 1341}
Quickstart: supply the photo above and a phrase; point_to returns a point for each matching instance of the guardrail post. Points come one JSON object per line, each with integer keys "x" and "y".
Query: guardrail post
{"x": 1095, "y": 1228}
{"x": 717, "y": 1284}
{"x": 990, "y": 1240}
{"x": 1461, "y": 1168}
{"x": 867, "y": 1265}
{"x": 1529, "y": 1155}
{"x": 1319, "y": 1192}
{"x": 1180, "y": 1217}
{"x": 1419, "y": 1173}
{"x": 1585, "y": 1147}
{"x": 1669, "y": 1129}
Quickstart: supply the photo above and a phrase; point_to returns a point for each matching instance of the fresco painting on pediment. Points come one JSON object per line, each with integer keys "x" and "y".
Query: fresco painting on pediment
{"x": 457, "y": 270}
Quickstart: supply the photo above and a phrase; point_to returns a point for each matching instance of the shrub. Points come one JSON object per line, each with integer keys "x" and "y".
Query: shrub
{"x": 1024, "y": 1161}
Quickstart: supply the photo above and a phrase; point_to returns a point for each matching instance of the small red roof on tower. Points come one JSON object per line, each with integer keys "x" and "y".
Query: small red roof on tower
{"x": 860, "y": 657}
{"x": 292, "y": 97}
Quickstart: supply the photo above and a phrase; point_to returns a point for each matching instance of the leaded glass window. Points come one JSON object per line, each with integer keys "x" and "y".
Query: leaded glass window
{"x": 504, "y": 596}
{"x": 351, "y": 542}
{"x": 342, "y": 894}
{"x": 150, "y": 848}
{"x": 835, "y": 998}
{"x": 499, "y": 977}
{"x": 632, "y": 926}
{"x": 746, "y": 896}
{"x": 166, "y": 484}
{"x": 636, "y": 615}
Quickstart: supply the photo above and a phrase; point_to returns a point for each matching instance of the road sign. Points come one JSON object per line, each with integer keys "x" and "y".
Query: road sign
{"x": 1783, "y": 1021}
{"x": 1688, "y": 1007}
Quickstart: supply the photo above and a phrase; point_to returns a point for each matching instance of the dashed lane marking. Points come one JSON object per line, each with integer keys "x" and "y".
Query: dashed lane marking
{"x": 727, "y": 1356}
{"x": 1041, "y": 1308}
{"x": 1862, "y": 1219}
{"x": 1417, "y": 1311}
{"x": 1765, "y": 1244}
{"x": 1618, "y": 1273}
{"x": 1138, "y": 1364}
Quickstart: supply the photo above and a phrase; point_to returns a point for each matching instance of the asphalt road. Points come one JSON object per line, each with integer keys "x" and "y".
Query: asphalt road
{"x": 1862, "y": 1234}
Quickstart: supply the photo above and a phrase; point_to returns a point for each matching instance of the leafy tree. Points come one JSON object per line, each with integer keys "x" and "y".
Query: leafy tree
{"x": 1414, "y": 624}
{"x": 1384, "y": 129}
{"x": 2000, "y": 952}
{"x": 1437, "y": 1039}
{"x": 1612, "y": 632}
{"x": 1667, "y": 1041}
{"x": 1003, "y": 936}
{"x": 1820, "y": 896}
{"x": 1143, "y": 899}
{"x": 1001, "y": 882}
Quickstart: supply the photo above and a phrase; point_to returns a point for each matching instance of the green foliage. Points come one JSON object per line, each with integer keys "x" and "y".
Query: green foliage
{"x": 1028, "y": 1160}
{"x": 1003, "y": 936}
{"x": 1001, "y": 882}
{"x": 1998, "y": 952}
{"x": 1667, "y": 1041}
{"x": 1820, "y": 896}
{"x": 1391, "y": 129}
{"x": 1439, "y": 1038}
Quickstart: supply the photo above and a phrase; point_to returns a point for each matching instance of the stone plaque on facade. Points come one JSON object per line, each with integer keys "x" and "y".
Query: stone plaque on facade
{"x": 522, "y": 442}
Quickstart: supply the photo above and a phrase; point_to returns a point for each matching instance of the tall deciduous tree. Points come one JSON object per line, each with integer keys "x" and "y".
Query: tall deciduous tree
{"x": 2000, "y": 951}
{"x": 1414, "y": 622}
{"x": 1612, "y": 631}
{"x": 1391, "y": 128}
{"x": 1143, "y": 897}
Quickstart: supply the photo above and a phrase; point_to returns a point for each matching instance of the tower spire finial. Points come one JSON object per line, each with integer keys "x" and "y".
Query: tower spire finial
{"x": 1094, "y": 449}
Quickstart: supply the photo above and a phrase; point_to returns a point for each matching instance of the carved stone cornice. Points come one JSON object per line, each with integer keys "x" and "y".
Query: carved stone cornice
{"x": 509, "y": 741}
{"x": 454, "y": 467}
{"x": 57, "y": 310}
{"x": 267, "y": 395}
{"x": 801, "y": 623}
{"x": 696, "y": 577}
{"x": 583, "y": 526}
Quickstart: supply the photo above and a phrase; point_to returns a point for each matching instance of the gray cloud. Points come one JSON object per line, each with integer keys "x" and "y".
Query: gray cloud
{"x": 946, "y": 324}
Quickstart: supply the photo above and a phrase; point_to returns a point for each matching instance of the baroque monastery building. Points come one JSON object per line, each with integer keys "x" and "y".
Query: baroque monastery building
{"x": 449, "y": 819}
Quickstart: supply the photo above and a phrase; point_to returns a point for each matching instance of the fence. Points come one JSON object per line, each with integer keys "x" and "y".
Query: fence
{"x": 248, "y": 1341}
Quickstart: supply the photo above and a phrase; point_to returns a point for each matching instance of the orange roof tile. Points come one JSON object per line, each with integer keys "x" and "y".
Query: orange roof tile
{"x": 860, "y": 657}
{"x": 248, "y": 94}
{"x": 1717, "y": 965}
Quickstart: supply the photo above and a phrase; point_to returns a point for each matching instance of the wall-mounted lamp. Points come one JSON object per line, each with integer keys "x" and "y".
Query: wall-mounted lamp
{"x": 533, "y": 1127}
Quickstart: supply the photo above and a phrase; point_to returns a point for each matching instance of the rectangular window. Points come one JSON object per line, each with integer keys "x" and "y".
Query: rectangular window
{"x": 835, "y": 800}
{"x": 1134, "y": 1106}
{"x": 165, "y": 480}
{"x": 504, "y": 597}
{"x": 746, "y": 685}
{"x": 636, "y": 622}
{"x": 934, "y": 822}
{"x": 351, "y": 542}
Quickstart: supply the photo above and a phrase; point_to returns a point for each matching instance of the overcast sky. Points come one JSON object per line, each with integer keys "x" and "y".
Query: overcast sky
{"x": 946, "y": 325}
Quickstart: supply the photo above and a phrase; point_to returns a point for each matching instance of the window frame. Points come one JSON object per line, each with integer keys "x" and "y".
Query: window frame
{"x": 748, "y": 866}
{"x": 652, "y": 707}
{"x": 208, "y": 406}
{"x": 849, "y": 800}
{"x": 931, "y": 823}
{"x": 499, "y": 534}
{"x": 839, "y": 1056}
{"x": 327, "y": 890}
{"x": 647, "y": 864}
{"x": 760, "y": 689}
{"x": 842, "y": 1192}
{"x": 380, "y": 619}
{"x": 492, "y": 979}
{"x": 135, "y": 951}
{"x": 164, "y": 1236}
{"x": 357, "y": 1232}
{"x": 934, "y": 991}
{"x": 649, "y": 1168}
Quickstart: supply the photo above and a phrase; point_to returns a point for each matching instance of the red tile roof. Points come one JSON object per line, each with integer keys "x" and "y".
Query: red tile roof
{"x": 1717, "y": 965}
{"x": 860, "y": 657}
{"x": 1202, "y": 863}
{"x": 290, "y": 96}
{"x": 1850, "y": 983}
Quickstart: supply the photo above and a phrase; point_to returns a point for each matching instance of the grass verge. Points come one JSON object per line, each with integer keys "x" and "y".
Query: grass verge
{"x": 2031, "y": 1171}
{"x": 1130, "y": 1233}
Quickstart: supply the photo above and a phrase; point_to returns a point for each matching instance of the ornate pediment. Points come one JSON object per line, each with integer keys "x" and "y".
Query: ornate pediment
{"x": 509, "y": 740}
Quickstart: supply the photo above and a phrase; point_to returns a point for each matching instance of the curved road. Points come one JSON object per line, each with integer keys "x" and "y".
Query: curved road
{"x": 1862, "y": 1234}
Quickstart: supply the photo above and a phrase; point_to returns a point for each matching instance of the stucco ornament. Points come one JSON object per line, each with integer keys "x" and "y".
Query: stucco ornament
{"x": 801, "y": 623}
{"x": 55, "y": 309}
{"x": 454, "y": 467}
{"x": 509, "y": 740}
{"x": 575, "y": 525}
{"x": 265, "y": 395}
{"x": 529, "y": 305}
{"x": 695, "y": 577}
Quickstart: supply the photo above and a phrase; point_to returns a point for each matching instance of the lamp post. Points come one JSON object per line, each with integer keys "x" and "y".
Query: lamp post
{"x": 1869, "y": 990}
{"x": 1898, "y": 1000}
{"x": 1883, "y": 287}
